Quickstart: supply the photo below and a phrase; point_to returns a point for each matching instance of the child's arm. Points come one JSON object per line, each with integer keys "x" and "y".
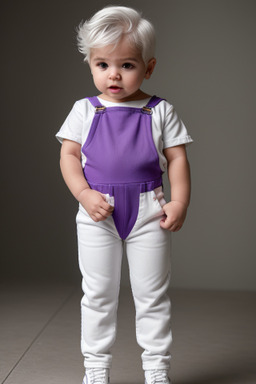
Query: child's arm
{"x": 179, "y": 177}
{"x": 70, "y": 164}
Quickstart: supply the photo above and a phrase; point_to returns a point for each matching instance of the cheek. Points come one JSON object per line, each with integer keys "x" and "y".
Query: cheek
{"x": 98, "y": 79}
{"x": 136, "y": 81}
{"x": 132, "y": 78}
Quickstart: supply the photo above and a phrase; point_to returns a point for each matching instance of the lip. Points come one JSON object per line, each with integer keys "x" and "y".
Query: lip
{"x": 114, "y": 89}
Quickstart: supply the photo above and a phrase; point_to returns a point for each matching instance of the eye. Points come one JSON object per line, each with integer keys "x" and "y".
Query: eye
{"x": 128, "y": 66}
{"x": 102, "y": 65}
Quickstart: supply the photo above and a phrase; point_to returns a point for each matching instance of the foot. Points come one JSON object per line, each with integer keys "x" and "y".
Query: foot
{"x": 157, "y": 376}
{"x": 96, "y": 376}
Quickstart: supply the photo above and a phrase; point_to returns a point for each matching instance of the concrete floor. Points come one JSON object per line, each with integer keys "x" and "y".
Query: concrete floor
{"x": 214, "y": 337}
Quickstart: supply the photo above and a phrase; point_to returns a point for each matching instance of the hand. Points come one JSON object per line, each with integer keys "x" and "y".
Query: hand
{"x": 175, "y": 212}
{"x": 95, "y": 204}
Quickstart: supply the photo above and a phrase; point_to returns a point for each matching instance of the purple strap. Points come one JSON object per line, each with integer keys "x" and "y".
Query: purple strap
{"x": 95, "y": 101}
{"x": 153, "y": 101}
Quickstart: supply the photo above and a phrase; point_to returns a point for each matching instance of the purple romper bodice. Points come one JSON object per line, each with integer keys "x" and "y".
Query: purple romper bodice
{"x": 121, "y": 158}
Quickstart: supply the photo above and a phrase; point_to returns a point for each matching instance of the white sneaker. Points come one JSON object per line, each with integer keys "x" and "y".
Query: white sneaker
{"x": 96, "y": 376}
{"x": 159, "y": 376}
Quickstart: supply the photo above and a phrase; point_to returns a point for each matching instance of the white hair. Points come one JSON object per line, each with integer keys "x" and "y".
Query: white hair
{"x": 110, "y": 24}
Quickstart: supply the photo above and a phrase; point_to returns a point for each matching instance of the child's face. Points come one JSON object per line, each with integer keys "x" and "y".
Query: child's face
{"x": 119, "y": 73}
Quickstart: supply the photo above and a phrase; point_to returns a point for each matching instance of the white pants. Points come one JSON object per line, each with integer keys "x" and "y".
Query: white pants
{"x": 100, "y": 255}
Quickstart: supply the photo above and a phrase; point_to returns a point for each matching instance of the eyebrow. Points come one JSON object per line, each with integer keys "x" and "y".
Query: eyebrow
{"x": 130, "y": 59}
{"x": 99, "y": 59}
{"x": 122, "y": 59}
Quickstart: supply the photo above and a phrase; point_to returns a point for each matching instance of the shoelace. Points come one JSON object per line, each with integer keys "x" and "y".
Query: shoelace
{"x": 159, "y": 376}
{"x": 97, "y": 375}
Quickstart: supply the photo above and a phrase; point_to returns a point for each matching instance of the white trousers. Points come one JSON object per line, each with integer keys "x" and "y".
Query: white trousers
{"x": 100, "y": 252}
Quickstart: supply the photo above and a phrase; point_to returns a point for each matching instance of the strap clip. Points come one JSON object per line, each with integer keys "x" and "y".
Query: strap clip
{"x": 100, "y": 109}
{"x": 147, "y": 110}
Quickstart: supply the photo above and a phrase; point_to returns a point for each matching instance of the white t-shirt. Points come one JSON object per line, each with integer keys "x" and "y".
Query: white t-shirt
{"x": 168, "y": 129}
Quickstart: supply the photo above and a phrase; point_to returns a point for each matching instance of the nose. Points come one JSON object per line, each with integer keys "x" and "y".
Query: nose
{"x": 114, "y": 75}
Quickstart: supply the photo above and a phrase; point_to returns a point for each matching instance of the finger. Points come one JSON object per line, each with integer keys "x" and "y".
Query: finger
{"x": 107, "y": 207}
{"x": 98, "y": 217}
{"x": 165, "y": 223}
{"x": 175, "y": 227}
{"x": 106, "y": 201}
{"x": 105, "y": 213}
{"x": 94, "y": 218}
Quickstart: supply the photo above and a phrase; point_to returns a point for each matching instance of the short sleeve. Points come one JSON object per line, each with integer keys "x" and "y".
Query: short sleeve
{"x": 174, "y": 130}
{"x": 73, "y": 125}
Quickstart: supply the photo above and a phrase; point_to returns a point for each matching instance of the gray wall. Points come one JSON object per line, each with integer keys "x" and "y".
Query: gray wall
{"x": 206, "y": 68}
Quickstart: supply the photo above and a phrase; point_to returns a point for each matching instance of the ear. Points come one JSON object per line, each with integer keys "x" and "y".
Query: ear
{"x": 150, "y": 68}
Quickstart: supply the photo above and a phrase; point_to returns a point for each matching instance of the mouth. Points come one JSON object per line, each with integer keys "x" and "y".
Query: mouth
{"x": 114, "y": 89}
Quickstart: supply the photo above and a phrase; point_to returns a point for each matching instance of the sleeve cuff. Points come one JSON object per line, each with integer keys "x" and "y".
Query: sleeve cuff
{"x": 179, "y": 141}
{"x": 61, "y": 136}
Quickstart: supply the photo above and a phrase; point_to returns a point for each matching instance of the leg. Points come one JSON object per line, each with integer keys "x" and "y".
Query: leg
{"x": 100, "y": 256}
{"x": 148, "y": 253}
